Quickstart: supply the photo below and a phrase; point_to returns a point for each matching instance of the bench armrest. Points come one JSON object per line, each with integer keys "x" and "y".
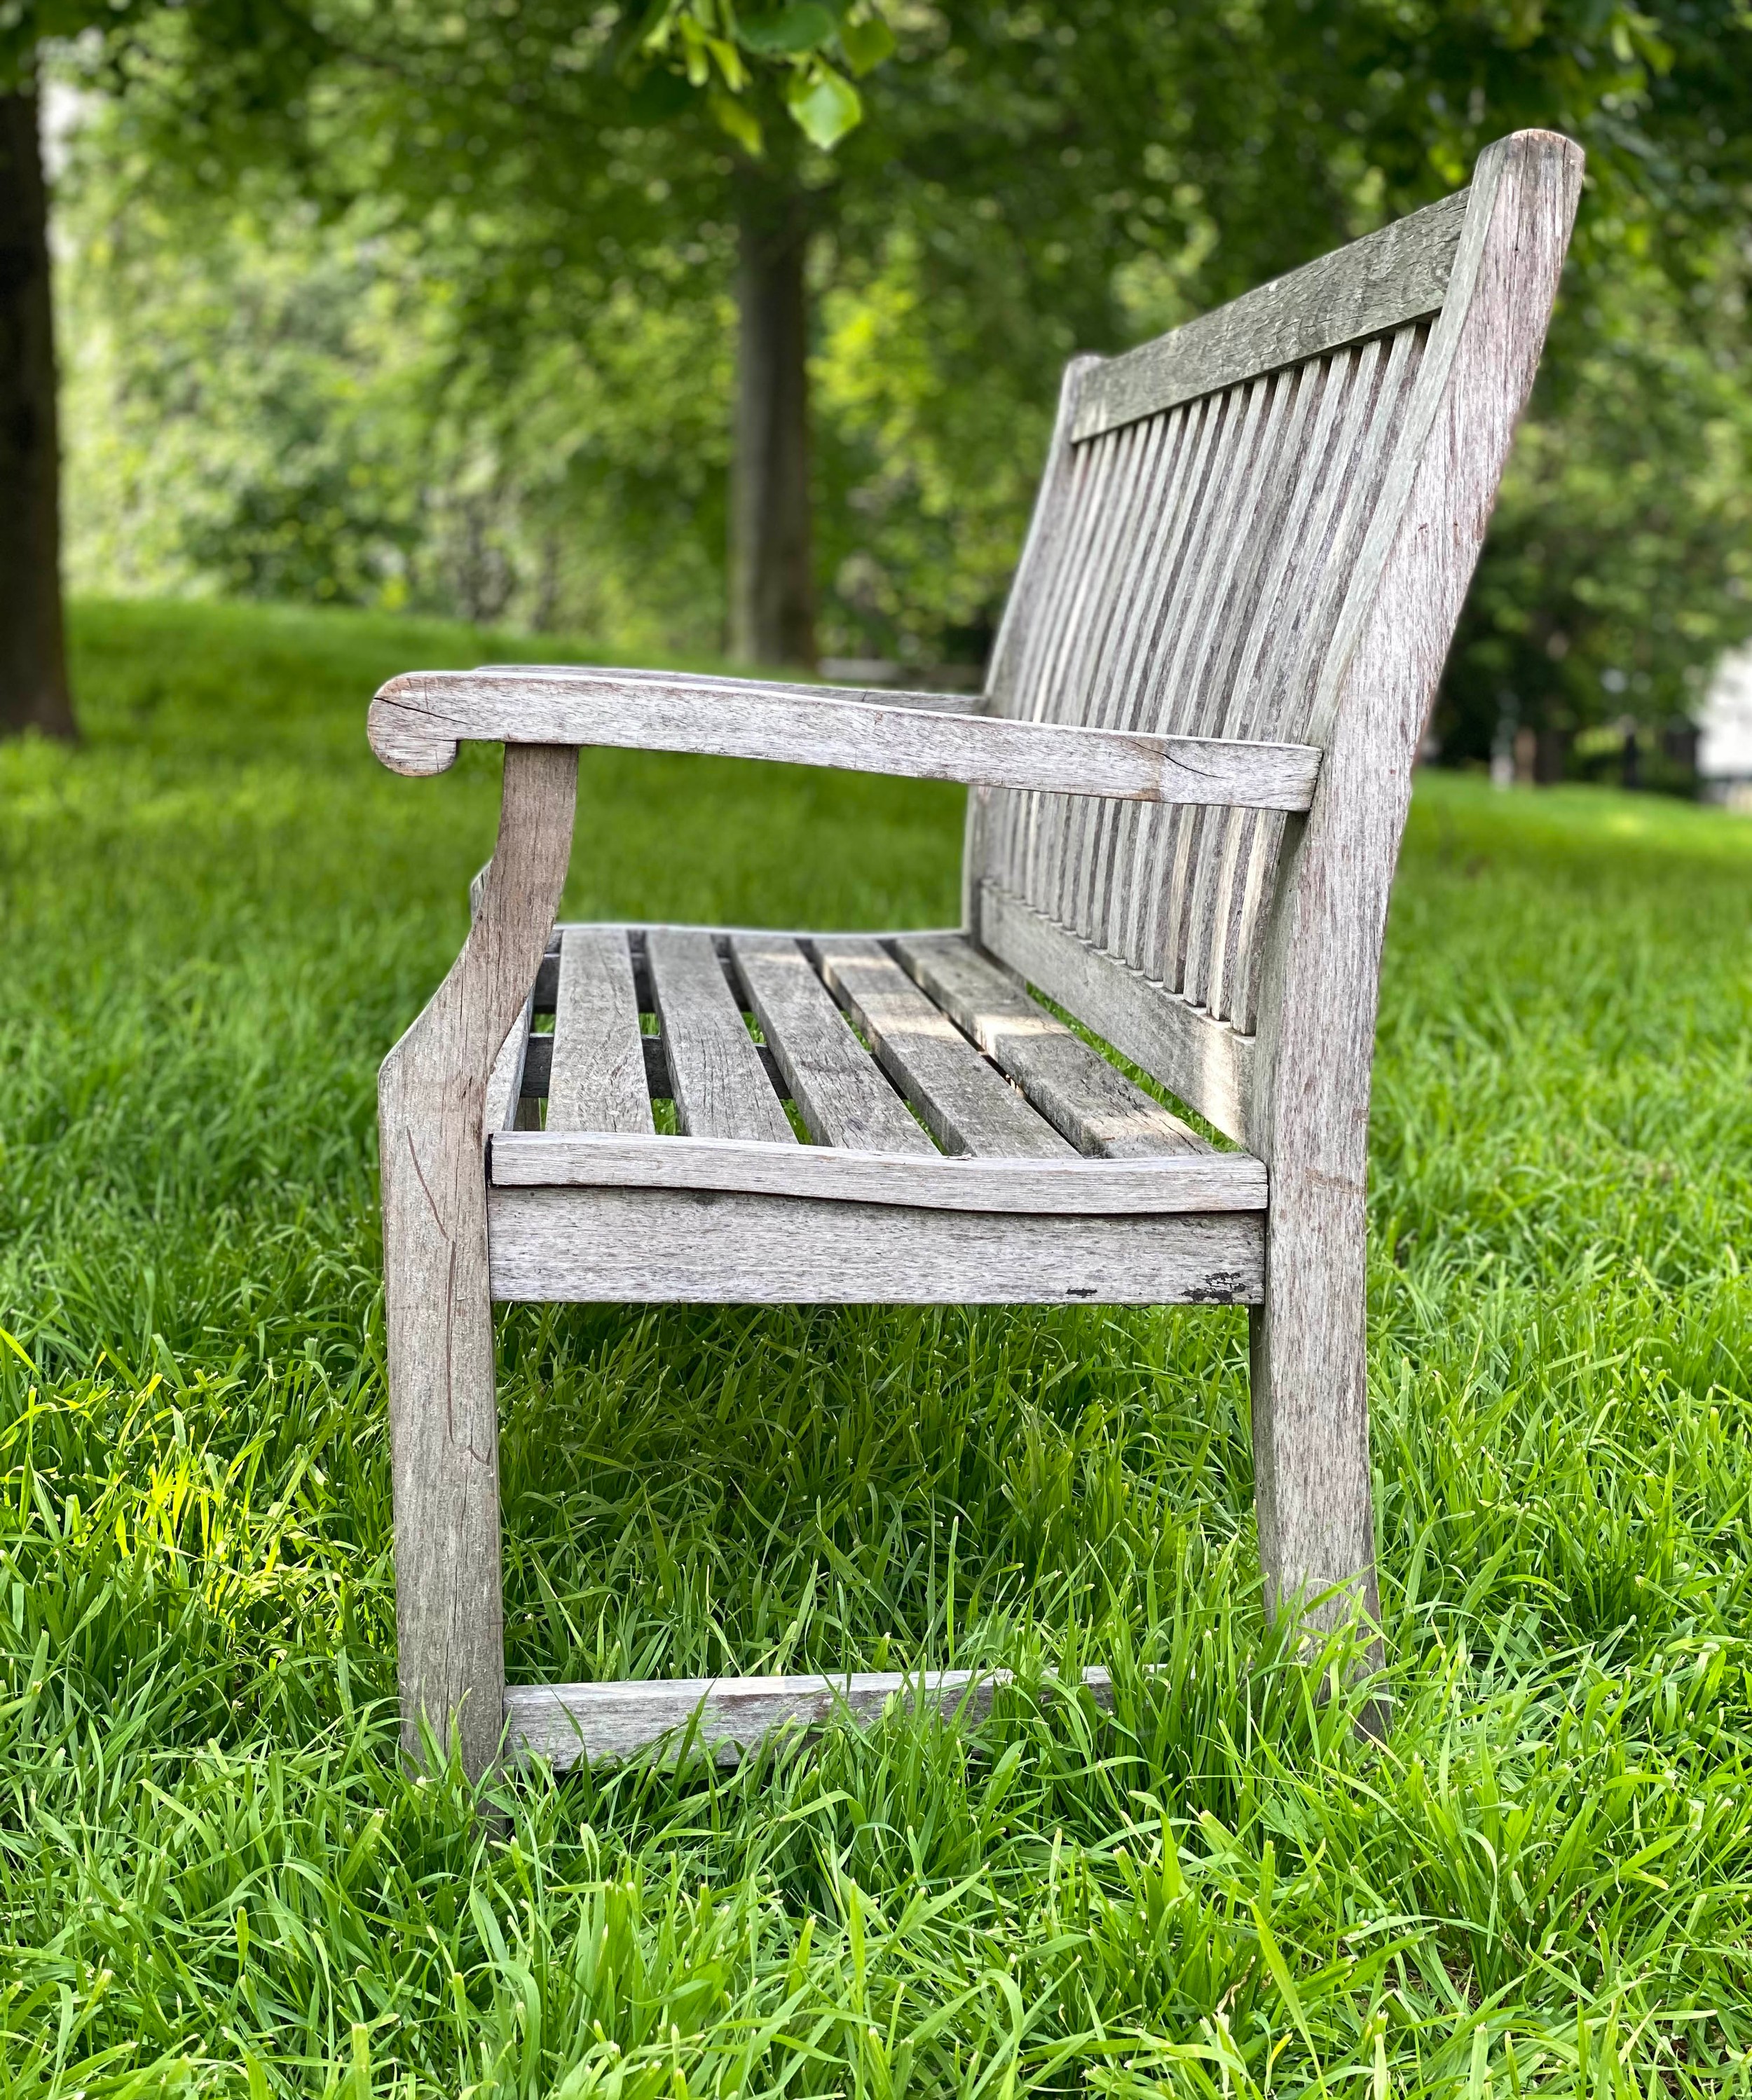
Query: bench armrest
{"x": 416, "y": 721}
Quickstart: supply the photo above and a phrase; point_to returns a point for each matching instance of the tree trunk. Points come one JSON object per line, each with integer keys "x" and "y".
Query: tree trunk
{"x": 772, "y": 584}
{"x": 34, "y": 691}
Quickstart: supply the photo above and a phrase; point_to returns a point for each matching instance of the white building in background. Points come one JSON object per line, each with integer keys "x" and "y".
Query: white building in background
{"x": 1724, "y": 738}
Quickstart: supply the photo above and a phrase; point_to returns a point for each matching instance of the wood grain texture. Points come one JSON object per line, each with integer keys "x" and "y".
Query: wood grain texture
{"x": 1398, "y": 275}
{"x": 721, "y": 1087}
{"x": 417, "y": 720}
{"x": 1202, "y": 1061}
{"x": 443, "y": 1419}
{"x": 1073, "y": 1086}
{"x": 596, "y": 1079}
{"x": 505, "y": 1083}
{"x": 660, "y": 1246}
{"x": 723, "y": 1718}
{"x": 1318, "y": 999}
{"x": 839, "y": 1091}
{"x": 1165, "y": 1182}
{"x": 965, "y": 1104}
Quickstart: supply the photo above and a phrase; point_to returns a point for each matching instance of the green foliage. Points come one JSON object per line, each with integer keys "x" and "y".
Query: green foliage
{"x": 215, "y": 1876}
{"x": 1021, "y": 182}
{"x": 1620, "y": 562}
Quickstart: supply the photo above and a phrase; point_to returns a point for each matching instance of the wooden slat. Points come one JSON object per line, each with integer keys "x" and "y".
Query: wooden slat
{"x": 1182, "y": 465}
{"x": 726, "y": 1717}
{"x": 1257, "y": 693}
{"x": 1208, "y": 467}
{"x": 1398, "y": 275}
{"x": 596, "y": 1080}
{"x": 1083, "y": 819}
{"x": 1234, "y": 610}
{"x": 721, "y": 1088}
{"x": 668, "y": 1246}
{"x": 1063, "y": 692}
{"x": 1160, "y": 1183}
{"x": 505, "y": 1083}
{"x": 840, "y": 1093}
{"x": 1203, "y": 1062}
{"x": 1097, "y": 1108}
{"x": 417, "y": 720}
{"x": 964, "y": 1103}
{"x": 1185, "y": 699}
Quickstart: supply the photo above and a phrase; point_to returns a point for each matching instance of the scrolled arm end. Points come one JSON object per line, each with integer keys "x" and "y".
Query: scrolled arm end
{"x": 407, "y": 730}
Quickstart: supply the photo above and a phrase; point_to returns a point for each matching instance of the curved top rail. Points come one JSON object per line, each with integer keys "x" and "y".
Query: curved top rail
{"x": 1397, "y": 275}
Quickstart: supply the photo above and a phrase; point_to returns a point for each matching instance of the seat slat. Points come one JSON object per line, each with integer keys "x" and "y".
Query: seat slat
{"x": 597, "y": 1078}
{"x": 1097, "y": 1108}
{"x": 967, "y": 1106}
{"x": 721, "y": 1089}
{"x": 1190, "y": 1183}
{"x": 840, "y": 1093}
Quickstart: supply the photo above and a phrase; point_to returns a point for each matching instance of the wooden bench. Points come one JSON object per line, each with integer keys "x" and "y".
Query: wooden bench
{"x": 1188, "y": 778}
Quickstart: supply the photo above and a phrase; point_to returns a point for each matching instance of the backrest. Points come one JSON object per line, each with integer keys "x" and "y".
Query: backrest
{"x": 1212, "y": 526}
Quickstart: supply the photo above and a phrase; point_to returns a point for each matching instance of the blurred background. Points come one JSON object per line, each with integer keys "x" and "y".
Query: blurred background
{"x": 689, "y": 328}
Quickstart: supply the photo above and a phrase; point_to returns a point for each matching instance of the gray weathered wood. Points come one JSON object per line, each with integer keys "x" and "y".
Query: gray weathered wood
{"x": 1241, "y": 606}
{"x": 1379, "y": 282}
{"x": 721, "y": 1089}
{"x": 418, "y": 720}
{"x": 1096, "y": 1106}
{"x": 1202, "y": 1180}
{"x": 1202, "y": 1061}
{"x": 597, "y": 1078}
{"x": 438, "y": 1317}
{"x": 662, "y": 1246}
{"x": 966, "y": 1104}
{"x": 505, "y": 1084}
{"x": 725, "y": 1718}
{"x": 1318, "y": 1004}
{"x": 838, "y": 1091}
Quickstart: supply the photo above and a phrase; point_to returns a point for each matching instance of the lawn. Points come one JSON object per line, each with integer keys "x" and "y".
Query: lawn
{"x": 214, "y": 1876}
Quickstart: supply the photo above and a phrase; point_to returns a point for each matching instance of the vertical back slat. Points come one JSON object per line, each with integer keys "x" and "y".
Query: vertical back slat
{"x": 1191, "y": 584}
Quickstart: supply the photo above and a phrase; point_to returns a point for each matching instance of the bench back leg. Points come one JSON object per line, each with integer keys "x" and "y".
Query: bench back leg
{"x": 1311, "y": 1414}
{"x": 438, "y": 1310}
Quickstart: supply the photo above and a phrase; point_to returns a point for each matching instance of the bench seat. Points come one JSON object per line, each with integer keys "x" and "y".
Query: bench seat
{"x": 717, "y": 1114}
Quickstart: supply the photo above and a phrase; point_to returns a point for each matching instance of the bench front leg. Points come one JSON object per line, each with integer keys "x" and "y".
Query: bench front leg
{"x": 438, "y": 1308}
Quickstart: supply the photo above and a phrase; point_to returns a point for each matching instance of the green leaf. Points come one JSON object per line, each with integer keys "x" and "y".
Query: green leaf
{"x": 866, "y": 44}
{"x": 803, "y": 27}
{"x": 739, "y": 121}
{"x": 825, "y": 104}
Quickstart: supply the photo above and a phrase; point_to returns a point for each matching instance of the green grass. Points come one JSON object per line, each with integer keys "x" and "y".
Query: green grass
{"x": 214, "y": 1877}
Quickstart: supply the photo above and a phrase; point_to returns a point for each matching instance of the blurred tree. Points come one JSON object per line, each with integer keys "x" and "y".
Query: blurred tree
{"x": 944, "y": 221}
{"x": 33, "y": 688}
{"x": 247, "y": 42}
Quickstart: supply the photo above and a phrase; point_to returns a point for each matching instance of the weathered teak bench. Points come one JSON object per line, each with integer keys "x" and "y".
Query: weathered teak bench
{"x": 1189, "y": 777}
